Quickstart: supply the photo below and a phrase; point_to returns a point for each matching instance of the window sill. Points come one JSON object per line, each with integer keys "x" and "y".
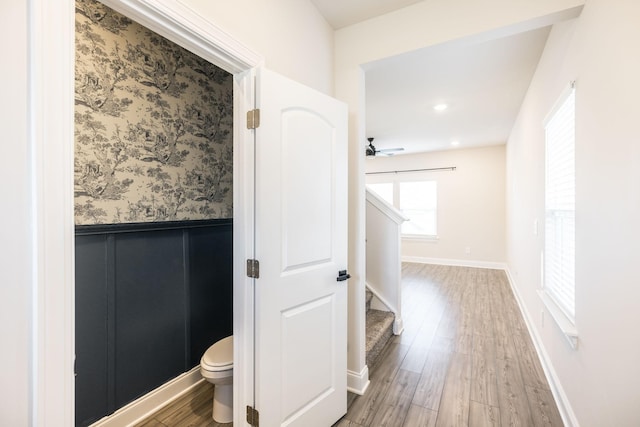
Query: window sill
{"x": 420, "y": 238}
{"x": 564, "y": 323}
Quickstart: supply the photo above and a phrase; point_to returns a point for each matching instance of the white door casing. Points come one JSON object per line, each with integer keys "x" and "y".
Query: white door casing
{"x": 301, "y": 244}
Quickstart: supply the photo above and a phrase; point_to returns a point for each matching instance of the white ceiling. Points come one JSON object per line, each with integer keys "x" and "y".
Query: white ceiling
{"x": 482, "y": 83}
{"x": 342, "y": 13}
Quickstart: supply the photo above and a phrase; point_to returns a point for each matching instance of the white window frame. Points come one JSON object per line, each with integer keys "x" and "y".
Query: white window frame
{"x": 396, "y": 203}
{"x": 558, "y": 260}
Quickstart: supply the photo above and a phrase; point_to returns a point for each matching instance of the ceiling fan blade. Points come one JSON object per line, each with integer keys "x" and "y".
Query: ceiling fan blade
{"x": 372, "y": 151}
{"x": 390, "y": 150}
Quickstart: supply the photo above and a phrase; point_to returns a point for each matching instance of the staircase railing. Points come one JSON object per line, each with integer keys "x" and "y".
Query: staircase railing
{"x": 383, "y": 257}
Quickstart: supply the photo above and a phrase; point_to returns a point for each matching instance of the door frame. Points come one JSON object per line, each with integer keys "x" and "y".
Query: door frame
{"x": 51, "y": 127}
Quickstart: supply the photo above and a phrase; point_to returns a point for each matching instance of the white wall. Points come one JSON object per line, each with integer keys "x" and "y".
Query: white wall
{"x": 471, "y": 202}
{"x": 292, "y": 35}
{"x": 599, "y": 50}
{"x": 15, "y": 233}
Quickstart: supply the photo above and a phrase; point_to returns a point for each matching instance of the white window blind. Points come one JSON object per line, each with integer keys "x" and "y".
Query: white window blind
{"x": 559, "y": 252}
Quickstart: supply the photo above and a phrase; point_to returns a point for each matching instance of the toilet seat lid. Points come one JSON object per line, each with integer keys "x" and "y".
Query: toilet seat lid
{"x": 220, "y": 353}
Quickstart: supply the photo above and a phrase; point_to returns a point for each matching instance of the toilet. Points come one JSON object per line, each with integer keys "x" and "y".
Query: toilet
{"x": 216, "y": 366}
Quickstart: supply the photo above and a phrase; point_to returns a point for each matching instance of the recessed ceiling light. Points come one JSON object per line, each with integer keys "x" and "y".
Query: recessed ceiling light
{"x": 455, "y": 143}
{"x": 440, "y": 107}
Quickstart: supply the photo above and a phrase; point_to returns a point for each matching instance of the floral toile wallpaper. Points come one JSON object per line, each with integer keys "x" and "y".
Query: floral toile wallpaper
{"x": 153, "y": 126}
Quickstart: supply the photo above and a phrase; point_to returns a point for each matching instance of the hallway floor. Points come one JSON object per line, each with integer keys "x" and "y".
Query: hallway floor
{"x": 464, "y": 359}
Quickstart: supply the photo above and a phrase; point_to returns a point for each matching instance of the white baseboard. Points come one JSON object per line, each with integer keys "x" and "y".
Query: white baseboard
{"x": 146, "y": 405}
{"x": 456, "y": 262}
{"x": 564, "y": 406}
{"x": 358, "y": 382}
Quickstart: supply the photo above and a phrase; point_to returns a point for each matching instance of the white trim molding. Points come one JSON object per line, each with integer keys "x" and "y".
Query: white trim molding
{"x": 564, "y": 406}
{"x": 243, "y": 232}
{"x": 456, "y": 262}
{"x": 562, "y": 321}
{"x": 358, "y": 382}
{"x": 390, "y": 211}
{"x": 51, "y": 131}
{"x": 146, "y": 405}
{"x": 398, "y": 326}
{"x": 182, "y": 25}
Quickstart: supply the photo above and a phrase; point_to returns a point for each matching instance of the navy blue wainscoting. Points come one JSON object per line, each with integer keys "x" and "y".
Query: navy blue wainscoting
{"x": 150, "y": 299}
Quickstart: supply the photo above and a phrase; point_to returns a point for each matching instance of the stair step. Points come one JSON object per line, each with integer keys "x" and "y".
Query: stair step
{"x": 379, "y": 329}
{"x": 369, "y": 297}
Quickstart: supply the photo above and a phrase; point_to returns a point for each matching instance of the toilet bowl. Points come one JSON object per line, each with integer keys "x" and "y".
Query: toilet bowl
{"x": 216, "y": 366}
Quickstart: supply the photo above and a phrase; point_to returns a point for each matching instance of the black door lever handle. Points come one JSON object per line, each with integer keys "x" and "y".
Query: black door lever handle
{"x": 343, "y": 275}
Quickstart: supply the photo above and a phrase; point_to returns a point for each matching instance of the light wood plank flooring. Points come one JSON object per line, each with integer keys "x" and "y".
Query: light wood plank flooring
{"x": 464, "y": 359}
{"x": 191, "y": 410}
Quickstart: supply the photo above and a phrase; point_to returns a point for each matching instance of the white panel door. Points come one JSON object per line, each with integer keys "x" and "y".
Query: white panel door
{"x": 301, "y": 244}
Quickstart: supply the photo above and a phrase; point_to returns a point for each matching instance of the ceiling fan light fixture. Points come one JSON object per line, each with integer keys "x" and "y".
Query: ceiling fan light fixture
{"x": 371, "y": 150}
{"x": 440, "y": 107}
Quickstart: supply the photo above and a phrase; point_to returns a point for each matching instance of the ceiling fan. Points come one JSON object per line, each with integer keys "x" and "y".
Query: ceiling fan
{"x": 372, "y": 151}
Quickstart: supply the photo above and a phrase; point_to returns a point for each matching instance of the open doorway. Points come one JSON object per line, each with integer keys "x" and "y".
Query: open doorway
{"x": 195, "y": 237}
{"x": 153, "y": 178}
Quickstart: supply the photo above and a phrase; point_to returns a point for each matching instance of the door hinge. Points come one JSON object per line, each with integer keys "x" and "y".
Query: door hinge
{"x": 253, "y": 119}
{"x": 253, "y": 417}
{"x": 253, "y": 268}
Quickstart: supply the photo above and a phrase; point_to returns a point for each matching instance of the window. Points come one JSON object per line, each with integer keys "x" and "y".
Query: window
{"x": 559, "y": 247}
{"x": 384, "y": 190}
{"x": 417, "y": 200}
